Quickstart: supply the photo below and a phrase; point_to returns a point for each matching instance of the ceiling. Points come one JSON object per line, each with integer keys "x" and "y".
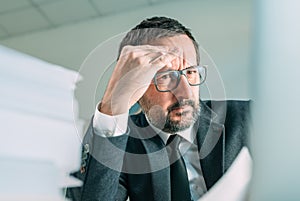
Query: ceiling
{"x": 18, "y": 17}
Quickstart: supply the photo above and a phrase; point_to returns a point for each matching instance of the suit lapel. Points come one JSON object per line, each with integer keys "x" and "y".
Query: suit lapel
{"x": 158, "y": 159}
{"x": 159, "y": 163}
{"x": 211, "y": 143}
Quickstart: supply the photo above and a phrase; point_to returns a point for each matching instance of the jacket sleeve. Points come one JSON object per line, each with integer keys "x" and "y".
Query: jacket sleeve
{"x": 101, "y": 169}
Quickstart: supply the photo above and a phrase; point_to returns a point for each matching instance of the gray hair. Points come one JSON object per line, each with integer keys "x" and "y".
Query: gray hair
{"x": 155, "y": 28}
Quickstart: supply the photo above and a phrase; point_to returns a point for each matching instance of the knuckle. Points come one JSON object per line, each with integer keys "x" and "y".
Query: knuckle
{"x": 132, "y": 54}
{"x": 139, "y": 60}
{"x": 126, "y": 49}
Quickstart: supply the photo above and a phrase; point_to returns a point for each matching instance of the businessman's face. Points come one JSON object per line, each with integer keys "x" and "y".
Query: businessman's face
{"x": 177, "y": 109}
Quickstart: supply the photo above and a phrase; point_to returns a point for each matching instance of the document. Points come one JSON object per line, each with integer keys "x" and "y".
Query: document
{"x": 233, "y": 185}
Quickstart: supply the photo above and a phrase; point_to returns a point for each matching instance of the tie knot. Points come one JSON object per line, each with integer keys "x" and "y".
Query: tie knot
{"x": 174, "y": 141}
{"x": 173, "y": 148}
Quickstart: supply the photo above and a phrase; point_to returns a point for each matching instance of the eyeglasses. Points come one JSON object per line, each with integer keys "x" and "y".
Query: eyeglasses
{"x": 169, "y": 80}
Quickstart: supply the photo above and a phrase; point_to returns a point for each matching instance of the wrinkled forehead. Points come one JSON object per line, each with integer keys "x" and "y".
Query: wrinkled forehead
{"x": 185, "y": 49}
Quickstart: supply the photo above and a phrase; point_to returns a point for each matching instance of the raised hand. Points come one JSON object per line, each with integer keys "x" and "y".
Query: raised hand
{"x": 133, "y": 74}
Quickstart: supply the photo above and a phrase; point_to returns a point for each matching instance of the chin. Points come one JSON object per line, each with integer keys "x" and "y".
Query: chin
{"x": 180, "y": 122}
{"x": 177, "y": 126}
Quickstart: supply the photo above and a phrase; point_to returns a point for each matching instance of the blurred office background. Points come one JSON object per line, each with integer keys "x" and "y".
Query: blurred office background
{"x": 64, "y": 32}
{"x": 251, "y": 46}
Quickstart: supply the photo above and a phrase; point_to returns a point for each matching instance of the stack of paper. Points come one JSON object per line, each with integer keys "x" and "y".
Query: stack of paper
{"x": 40, "y": 142}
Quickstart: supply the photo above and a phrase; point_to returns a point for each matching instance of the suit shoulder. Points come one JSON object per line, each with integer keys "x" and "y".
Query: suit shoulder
{"x": 235, "y": 106}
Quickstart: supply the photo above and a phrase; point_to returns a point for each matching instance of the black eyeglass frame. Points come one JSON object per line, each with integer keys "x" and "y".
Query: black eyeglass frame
{"x": 182, "y": 72}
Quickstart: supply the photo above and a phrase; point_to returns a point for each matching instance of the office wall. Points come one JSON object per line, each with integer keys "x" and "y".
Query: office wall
{"x": 223, "y": 29}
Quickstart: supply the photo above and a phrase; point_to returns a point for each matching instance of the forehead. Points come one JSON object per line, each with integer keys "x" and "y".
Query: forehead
{"x": 185, "y": 46}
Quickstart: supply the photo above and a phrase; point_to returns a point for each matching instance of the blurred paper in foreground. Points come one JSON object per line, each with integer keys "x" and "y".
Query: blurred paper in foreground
{"x": 39, "y": 141}
{"x": 233, "y": 185}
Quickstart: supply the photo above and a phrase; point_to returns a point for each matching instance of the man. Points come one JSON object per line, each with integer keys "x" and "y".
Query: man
{"x": 176, "y": 147}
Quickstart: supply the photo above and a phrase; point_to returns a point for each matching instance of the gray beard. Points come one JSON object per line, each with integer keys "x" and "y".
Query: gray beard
{"x": 158, "y": 119}
{"x": 177, "y": 126}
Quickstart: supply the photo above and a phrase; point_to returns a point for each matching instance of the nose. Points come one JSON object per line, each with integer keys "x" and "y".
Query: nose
{"x": 183, "y": 90}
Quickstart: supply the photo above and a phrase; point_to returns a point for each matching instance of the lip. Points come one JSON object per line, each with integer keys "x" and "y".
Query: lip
{"x": 180, "y": 109}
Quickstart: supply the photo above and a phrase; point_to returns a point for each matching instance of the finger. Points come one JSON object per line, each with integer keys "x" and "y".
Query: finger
{"x": 144, "y": 49}
{"x": 142, "y": 55}
{"x": 152, "y": 56}
{"x": 181, "y": 56}
{"x": 178, "y": 53}
{"x": 168, "y": 57}
{"x": 165, "y": 60}
{"x": 155, "y": 48}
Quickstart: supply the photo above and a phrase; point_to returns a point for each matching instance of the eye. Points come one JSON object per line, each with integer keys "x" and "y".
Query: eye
{"x": 191, "y": 71}
{"x": 163, "y": 77}
{"x": 166, "y": 78}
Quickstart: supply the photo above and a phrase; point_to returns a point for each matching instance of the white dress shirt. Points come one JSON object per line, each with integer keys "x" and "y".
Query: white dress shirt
{"x": 112, "y": 126}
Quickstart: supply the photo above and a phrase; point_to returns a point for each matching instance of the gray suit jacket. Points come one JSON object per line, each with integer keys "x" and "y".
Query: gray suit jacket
{"x": 135, "y": 164}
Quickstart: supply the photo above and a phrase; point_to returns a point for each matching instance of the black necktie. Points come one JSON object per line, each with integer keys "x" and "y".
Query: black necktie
{"x": 180, "y": 190}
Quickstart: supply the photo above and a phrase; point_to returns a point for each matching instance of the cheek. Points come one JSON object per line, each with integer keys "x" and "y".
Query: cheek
{"x": 196, "y": 93}
{"x": 162, "y": 99}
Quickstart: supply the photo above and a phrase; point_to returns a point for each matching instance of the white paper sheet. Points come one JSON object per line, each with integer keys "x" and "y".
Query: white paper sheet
{"x": 234, "y": 183}
{"x": 40, "y": 144}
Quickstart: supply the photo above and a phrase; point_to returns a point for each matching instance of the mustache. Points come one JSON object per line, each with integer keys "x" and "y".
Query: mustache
{"x": 181, "y": 103}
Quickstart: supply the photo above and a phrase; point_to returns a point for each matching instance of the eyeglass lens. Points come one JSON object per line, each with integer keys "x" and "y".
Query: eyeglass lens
{"x": 168, "y": 80}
